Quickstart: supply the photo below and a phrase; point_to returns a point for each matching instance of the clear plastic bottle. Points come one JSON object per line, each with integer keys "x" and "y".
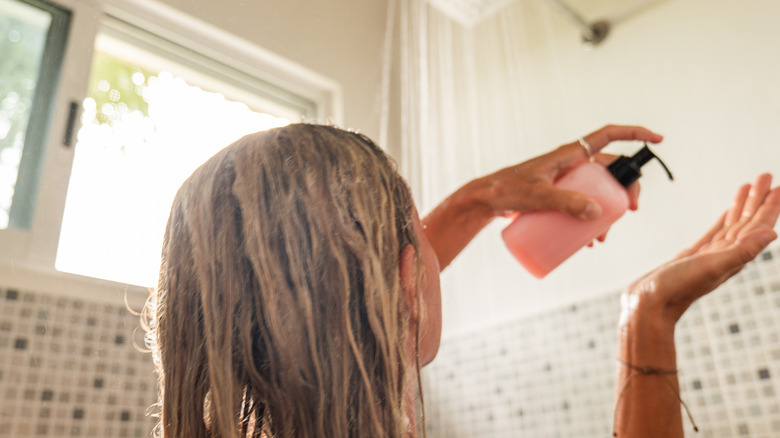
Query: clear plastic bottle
{"x": 541, "y": 241}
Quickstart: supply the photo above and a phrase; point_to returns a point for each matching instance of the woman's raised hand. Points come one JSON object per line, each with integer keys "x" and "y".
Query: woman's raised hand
{"x": 653, "y": 304}
{"x": 740, "y": 234}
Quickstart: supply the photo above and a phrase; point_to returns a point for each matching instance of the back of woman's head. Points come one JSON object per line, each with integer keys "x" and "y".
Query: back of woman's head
{"x": 279, "y": 310}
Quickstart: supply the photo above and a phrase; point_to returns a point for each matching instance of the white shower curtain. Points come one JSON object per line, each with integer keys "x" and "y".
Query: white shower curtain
{"x": 474, "y": 100}
{"x": 469, "y": 105}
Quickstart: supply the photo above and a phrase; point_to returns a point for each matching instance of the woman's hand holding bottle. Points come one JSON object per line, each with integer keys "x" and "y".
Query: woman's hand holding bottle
{"x": 525, "y": 188}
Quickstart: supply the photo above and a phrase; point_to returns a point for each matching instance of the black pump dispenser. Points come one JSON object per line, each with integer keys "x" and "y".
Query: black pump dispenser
{"x": 626, "y": 170}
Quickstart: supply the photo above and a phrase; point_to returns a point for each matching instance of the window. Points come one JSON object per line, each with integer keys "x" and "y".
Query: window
{"x": 155, "y": 111}
{"x": 32, "y": 42}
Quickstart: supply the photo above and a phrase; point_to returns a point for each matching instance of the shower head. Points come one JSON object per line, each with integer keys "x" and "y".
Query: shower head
{"x": 470, "y": 12}
{"x": 592, "y": 33}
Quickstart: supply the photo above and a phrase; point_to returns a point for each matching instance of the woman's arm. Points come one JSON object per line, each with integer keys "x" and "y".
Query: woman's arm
{"x": 647, "y": 389}
{"x": 525, "y": 187}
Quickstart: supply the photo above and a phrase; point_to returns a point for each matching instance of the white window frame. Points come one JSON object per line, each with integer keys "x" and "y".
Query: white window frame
{"x": 27, "y": 256}
{"x": 40, "y": 115}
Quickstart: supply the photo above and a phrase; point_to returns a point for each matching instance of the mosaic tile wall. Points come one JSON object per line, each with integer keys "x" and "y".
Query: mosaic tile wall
{"x": 70, "y": 368}
{"x": 552, "y": 374}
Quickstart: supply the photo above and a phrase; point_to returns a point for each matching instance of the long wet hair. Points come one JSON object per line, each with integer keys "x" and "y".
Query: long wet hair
{"x": 279, "y": 310}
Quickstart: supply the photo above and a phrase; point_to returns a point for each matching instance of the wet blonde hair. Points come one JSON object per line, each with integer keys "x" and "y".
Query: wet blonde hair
{"x": 279, "y": 310}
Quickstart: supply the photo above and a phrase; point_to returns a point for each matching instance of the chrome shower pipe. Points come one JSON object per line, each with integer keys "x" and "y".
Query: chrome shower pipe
{"x": 592, "y": 34}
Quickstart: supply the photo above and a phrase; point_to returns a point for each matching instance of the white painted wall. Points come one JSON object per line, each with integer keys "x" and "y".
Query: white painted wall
{"x": 702, "y": 72}
{"x": 340, "y": 39}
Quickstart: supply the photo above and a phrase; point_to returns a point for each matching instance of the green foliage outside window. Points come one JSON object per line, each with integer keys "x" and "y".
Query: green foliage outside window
{"x": 117, "y": 87}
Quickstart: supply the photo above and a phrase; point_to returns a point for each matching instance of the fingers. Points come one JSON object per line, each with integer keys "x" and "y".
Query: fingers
{"x": 574, "y": 153}
{"x": 578, "y": 206}
{"x": 735, "y": 212}
{"x": 757, "y": 194}
{"x": 604, "y": 136}
{"x": 744, "y": 214}
{"x": 754, "y": 207}
{"x": 574, "y": 204}
{"x": 568, "y": 156}
{"x": 767, "y": 214}
{"x": 754, "y": 201}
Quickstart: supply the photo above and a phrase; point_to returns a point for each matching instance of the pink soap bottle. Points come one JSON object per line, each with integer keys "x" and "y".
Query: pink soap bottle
{"x": 541, "y": 241}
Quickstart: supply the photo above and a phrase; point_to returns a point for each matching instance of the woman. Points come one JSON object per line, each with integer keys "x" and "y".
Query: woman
{"x": 299, "y": 291}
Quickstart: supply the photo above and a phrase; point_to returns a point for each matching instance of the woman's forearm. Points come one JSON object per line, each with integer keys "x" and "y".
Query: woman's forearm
{"x": 457, "y": 220}
{"x": 647, "y": 388}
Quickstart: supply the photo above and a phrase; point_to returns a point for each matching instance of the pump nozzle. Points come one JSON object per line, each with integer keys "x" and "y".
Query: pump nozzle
{"x": 626, "y": 170}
